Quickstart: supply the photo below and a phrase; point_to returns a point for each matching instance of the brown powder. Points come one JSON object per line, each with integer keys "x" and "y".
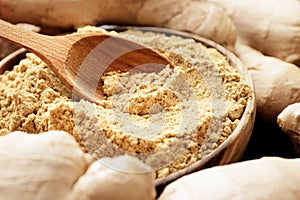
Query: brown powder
{"x": 168, "y": 119}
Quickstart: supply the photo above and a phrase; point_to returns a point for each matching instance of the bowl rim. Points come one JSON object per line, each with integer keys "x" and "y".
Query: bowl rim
{"x": 247, "y": 118}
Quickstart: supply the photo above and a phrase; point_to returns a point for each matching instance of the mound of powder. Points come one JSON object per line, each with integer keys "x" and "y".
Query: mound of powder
{"x": 169, "y": 119}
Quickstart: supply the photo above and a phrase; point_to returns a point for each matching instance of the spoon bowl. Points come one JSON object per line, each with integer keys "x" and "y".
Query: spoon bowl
{"x": 80, "y": 59}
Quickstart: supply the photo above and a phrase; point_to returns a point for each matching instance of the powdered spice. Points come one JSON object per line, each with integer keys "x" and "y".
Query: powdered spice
{"x": 164, "y": 118}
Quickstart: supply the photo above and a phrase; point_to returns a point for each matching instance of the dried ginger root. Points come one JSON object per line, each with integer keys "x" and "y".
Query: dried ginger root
{"x": 270, "y": 26}
{"x": 289, "y": 121}
{"x": 202, "y": 18}
{"x": 269, "y": 44}
{"x": 116, "y": 178}
{"x": 33, "y": 166}
{"x": 51, "y": 166}
{"x": 267, "y": 178}
{"x": 276, "y": 83}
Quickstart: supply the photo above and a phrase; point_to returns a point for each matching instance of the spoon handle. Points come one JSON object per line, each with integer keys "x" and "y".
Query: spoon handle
{"x": 42, "y": 45}
{"x": 19, "y": 36}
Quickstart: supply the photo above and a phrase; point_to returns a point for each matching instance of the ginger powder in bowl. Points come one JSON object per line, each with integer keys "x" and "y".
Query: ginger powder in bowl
{"x": 176, "y": 120}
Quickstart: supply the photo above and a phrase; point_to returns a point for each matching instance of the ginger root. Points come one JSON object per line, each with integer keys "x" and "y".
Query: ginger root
{"x": 127, "y": 176}
{"x": 202, "y": 18}
{"x": 51, "y": 166}
{"x": 276, "y": 83}
{"x": 289, "y": 121}
{"x": 270, "y": 26}
{"x": 267, "y": 178}
{"x": 34, "y": 166}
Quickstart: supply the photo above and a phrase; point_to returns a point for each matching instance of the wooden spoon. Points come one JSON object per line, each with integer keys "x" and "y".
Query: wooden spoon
{"x": 79, "y": 60}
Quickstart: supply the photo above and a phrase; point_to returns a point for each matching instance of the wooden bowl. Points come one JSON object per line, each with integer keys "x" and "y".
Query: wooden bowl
{"x": 232, "y": 149}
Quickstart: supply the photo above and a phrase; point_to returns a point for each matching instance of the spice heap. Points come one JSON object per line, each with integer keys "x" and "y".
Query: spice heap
{"x": 169, "y": 119}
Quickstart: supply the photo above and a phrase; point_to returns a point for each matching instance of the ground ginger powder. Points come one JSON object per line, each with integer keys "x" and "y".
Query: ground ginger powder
{"x": 152, "y": 116}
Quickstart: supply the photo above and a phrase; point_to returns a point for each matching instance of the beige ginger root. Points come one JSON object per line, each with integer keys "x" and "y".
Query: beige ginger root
{"x": 270, "y": 26}
{"x": 34, "y": 166}
{"x": 126, "y": 176}
{"x": 276, "y": 83}
{"x": 289, "y": 121}
{"x": 202, "y": 18}
{"x": 51, "y": 166}
{"x": 267, "y": 178}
